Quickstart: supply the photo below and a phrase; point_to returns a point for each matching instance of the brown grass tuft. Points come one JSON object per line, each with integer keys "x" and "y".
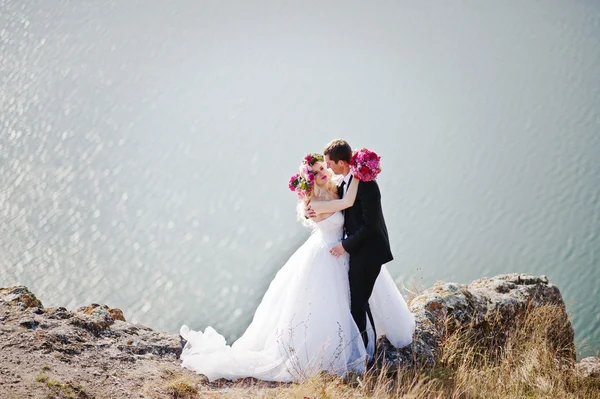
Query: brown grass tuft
{"x": 181, "y": 387}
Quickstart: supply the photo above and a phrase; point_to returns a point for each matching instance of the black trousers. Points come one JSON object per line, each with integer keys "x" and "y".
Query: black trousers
{"x": 362, "y": 279}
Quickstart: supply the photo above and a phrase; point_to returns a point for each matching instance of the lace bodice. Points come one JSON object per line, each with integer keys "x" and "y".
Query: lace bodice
{"x": 331, "y": 228}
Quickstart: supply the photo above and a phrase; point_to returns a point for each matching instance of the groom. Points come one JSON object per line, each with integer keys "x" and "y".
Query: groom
{"x": 365, "y": 235}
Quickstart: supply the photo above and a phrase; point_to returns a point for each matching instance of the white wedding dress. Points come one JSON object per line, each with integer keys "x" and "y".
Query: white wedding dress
{"x": 303, "y": 323}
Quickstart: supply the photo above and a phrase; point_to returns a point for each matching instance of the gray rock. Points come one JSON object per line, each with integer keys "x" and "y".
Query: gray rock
{"x": 95, "y": 328}
{"x": 141, "y": 340}
{"x": 588, "y": 367}
{"x": 95, "y": 318}
{"x": 59, "y": 313}
{"x": 28, "y": 322}
{"x": 486, "y": 310}
{"x": 20, "y": 296}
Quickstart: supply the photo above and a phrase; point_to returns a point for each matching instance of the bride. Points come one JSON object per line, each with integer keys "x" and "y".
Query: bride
{"x": 303, "y": 324}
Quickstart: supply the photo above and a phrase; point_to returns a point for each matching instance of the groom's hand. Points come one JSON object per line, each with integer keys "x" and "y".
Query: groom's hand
{"x": 337, "y": 250}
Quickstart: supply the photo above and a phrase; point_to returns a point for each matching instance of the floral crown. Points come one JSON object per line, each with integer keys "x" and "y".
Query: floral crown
{"x": 311, "y": 159}
{"x": 304, "y": 181}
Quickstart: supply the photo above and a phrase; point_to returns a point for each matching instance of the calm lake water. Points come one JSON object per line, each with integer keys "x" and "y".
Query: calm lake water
{"x": 145, "y": 147}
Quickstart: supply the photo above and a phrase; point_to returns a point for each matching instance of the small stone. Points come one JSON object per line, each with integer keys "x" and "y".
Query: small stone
{"x": 28, "y": 322}
{"x": 124, "y": 358}
{"x": 453, "y": 287}
{"x": 60, "y": 313}
{"x": 588, "y": 367}
{"x": 20, "y": 296}
{"x": 116, "y": 314}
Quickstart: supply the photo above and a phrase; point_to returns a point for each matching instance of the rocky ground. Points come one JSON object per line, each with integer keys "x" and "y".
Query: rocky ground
{"x": 93, "y": 352}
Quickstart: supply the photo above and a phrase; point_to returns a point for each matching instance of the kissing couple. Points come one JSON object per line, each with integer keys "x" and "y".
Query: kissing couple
{"x": 333, "y": 298}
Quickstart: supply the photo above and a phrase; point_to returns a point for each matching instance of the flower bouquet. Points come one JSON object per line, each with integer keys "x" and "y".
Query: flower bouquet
{"x": 365, "y": 165}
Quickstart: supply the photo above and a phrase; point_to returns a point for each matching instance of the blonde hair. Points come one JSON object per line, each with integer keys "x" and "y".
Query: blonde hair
{"x": 330, "y": 186}
{"x": 325, "y": 193}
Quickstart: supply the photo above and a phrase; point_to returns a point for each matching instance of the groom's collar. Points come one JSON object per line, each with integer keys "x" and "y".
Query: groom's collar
{"x": 347, "y": 179}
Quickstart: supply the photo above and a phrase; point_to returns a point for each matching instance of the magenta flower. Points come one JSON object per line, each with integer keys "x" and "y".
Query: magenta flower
{"x": 365, "y": 165}
{"x": 294, "y": 181}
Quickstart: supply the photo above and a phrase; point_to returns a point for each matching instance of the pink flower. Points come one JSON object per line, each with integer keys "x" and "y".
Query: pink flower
{"x": 365, "y": 165}
{"x": 304, "y": 170}
{"x": 311, "y": 159}
{"x": 293, "y": 184}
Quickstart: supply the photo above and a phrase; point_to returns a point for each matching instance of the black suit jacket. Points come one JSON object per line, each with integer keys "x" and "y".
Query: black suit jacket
{"x": 368, "y": 241}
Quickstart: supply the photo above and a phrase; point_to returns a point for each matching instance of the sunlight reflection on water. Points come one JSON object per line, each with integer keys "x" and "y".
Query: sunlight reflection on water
{"x": 145, "y": 148}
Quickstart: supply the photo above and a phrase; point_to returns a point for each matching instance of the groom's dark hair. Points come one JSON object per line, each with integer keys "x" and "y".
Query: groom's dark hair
{"x": 338, "y": 150}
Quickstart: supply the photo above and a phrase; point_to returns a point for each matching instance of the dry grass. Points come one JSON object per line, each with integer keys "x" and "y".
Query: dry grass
{"x": 532, "y": 361}
{"x": 174, "y": 383}
{"x": 60, "y": 389}
{"x": 182, "y": 387}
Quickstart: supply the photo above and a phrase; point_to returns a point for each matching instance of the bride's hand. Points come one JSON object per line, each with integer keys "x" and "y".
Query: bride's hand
{"x": 309, "y": 213}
